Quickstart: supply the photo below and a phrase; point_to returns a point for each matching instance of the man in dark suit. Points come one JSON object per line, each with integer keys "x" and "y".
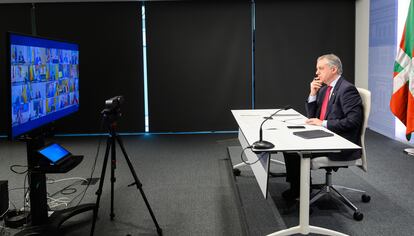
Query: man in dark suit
{"x": 335, "y": 104}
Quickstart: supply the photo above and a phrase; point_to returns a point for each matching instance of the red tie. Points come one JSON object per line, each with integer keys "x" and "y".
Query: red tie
{"x": 325, "y": 103}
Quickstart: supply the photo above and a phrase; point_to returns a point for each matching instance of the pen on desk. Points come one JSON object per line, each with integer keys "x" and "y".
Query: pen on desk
{"x": 292, "y": 119}
{"x": 287, "y": 114}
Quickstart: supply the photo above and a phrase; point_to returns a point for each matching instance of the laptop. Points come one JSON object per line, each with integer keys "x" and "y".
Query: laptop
{"x": 55, "y": 153}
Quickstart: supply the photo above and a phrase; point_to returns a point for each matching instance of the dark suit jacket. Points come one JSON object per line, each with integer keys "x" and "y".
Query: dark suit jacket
{"x": 344, "y": 115}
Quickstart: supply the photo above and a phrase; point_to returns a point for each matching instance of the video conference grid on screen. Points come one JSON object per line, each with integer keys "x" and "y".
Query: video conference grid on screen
{"x": 44, "y": 81}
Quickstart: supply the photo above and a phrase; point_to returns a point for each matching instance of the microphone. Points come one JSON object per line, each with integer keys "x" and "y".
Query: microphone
{"x": 271, "y": 116}
{"x": 263, "y": 144}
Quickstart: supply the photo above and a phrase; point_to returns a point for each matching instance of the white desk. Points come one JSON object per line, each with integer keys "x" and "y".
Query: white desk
{"x": 276, "y": 132}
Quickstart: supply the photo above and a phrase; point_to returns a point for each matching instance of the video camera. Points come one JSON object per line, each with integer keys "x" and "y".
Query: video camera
{"x": 113, "y": 107}
{"x": 114, "y": 103}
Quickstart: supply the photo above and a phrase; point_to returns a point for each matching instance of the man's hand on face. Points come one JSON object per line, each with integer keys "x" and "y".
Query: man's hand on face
{"x": 314, "y": 121}
{"x": 315, "y": 85}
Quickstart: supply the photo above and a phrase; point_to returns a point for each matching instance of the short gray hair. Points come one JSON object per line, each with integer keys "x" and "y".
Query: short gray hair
{"x": 333, "y": 61}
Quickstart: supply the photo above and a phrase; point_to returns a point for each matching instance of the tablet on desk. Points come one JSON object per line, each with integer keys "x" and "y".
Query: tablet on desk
{"x": 55, "y": 153}
{"x": 310, "y": 134}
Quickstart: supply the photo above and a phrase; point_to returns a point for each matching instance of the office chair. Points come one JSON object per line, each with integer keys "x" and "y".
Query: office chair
{"x": 329, "y": 166}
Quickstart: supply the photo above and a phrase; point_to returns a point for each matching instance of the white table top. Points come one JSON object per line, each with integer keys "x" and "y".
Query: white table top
{"x": 277, "y": 132}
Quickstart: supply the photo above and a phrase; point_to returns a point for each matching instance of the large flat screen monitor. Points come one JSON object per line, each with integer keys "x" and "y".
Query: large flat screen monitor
{"x": 44, "y": 81}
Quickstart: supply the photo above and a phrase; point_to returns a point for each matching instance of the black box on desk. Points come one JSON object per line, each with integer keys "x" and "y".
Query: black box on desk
{"x": 4, "y": 197}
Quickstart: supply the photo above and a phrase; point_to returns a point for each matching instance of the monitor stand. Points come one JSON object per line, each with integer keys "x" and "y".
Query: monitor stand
{"x": 41, "y": 223}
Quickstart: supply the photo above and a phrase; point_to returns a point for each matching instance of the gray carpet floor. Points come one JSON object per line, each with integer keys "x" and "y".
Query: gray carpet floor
{"x": 190, "y": 187}
{"x": 388, "y": 181}
{"x": 186, "y": 178}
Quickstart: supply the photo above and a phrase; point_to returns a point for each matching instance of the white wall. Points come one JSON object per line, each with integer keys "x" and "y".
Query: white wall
{"x": 382, "y": 48}
{"x": 361, "y": 43}
{"x": 387, "y": 23}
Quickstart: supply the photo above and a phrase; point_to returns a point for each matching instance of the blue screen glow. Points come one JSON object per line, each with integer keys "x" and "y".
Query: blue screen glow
{"x": 44, "y": 77}
{"x": 54, "y": 152}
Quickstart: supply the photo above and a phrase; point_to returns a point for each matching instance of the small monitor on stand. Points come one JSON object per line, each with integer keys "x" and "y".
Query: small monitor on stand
{"x": 55, "y": 153}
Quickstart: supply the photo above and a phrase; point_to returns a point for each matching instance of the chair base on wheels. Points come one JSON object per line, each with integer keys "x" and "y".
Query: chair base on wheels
{"x": 329, "y": 188}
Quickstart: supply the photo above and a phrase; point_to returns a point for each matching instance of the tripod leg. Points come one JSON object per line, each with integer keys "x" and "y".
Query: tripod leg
{"x": 101, "y": 182}
{"x": 138, "y": 184}
{"x": 113, "y": 167}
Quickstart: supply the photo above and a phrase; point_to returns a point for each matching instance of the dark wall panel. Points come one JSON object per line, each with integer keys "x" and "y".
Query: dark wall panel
{"x": 199, "y": 64}
{"x": 290, "y": 35}
{"x": 110, "y": 41}
{"x": 14, "y": 18}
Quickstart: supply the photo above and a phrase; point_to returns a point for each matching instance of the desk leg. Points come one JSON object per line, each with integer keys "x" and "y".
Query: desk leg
{"x": 304, "y": 227}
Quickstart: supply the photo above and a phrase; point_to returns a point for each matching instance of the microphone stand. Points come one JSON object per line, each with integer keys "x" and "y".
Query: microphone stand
{"x": 263, "y": 144}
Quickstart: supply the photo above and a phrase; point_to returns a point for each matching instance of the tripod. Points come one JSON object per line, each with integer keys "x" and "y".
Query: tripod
{"x": 110, "y": 145}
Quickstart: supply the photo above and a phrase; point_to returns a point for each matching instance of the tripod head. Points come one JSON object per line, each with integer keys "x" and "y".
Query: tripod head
{"x": 112, "y": 111}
